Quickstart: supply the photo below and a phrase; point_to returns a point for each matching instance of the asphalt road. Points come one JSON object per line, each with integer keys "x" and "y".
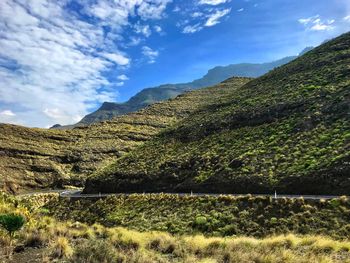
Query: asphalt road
{"x": 78, "y": 194}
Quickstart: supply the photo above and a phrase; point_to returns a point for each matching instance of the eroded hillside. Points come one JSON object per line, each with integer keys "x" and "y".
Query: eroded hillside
{"x": 287, "y": 131}
{"x": 38, "y": 158}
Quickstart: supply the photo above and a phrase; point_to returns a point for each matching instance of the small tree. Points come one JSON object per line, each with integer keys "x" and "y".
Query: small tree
{"x": 12, "y": 222}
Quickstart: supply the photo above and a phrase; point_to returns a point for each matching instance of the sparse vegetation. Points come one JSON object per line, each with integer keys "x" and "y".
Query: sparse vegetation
{"x": 67, "y": 241}
{"x": 213, "y": 216}
{"x": 38, "y": 158}
{"x": 287, "y": 131}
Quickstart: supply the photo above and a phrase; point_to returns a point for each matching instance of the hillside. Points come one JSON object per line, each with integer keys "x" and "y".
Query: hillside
{"x": 221, "y": 215}
{"x": 287, "y": 131}
{"x": 39, "y": 158}
{"x": 149, "y": 96}
{"x": 48, "y": 237}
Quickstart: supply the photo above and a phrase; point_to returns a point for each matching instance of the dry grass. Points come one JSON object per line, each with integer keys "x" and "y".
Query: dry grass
{"x": 122, "y": 245}
{"x": 78, "y": 242}
{"x": 61, "y": 248}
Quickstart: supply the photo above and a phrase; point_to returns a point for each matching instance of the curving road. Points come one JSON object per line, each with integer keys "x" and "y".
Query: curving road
{"x": 78, "y": 194}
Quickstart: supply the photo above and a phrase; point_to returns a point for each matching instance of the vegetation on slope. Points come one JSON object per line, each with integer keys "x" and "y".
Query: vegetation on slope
{"x": 288, "y": 130}
{"x": 218, "y": 216}
{"x": 33, "y": 158}
{"x": 46, "y": 239}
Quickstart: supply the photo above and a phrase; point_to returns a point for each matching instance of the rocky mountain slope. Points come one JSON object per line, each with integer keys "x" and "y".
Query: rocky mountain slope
{"x": 148, "y": 96}
{"x": 39, "y": 158}
{"x": 288, "y": 130}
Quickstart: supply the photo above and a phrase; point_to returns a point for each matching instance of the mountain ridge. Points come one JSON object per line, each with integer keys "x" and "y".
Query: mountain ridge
{"x": 32, "y": 158}
{"x": 287, "y": 131}
{"x": 163, "y": 92}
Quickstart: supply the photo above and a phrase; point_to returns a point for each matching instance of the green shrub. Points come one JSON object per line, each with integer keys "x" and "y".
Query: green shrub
{"x": 12, "y": 222}
{"x": 200, "y": 220}
{"x": 201, "y": 223}
{"x": 273, "y": 220}
{"x": 229, "y": 230}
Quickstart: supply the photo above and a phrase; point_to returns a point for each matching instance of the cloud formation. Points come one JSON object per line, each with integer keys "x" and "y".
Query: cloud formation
{"x": 150, "y": 54}
{"x": 143, "y": 29}
{"x": 213, "y": 19}
{"x": 54, "y": 59}
{"x": 212, "y": 2}
{"x": 192, "y": 29}
{"x": 315, "y": 23}
{"x": 205, "y": 18}
{"x": 7, "y": 113}
{"x": 122, "y": 77}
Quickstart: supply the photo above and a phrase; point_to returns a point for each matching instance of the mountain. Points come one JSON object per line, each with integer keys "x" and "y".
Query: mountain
{"x": 149, "y": 96}
{"x": 287, "y": 131}
{"x": 40, "y": 158}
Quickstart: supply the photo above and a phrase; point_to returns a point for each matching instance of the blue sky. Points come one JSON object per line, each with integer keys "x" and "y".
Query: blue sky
{"x": 60, "y": 59}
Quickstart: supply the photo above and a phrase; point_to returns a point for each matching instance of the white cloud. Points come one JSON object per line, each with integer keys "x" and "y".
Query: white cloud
{"x": 158, "y": 29}
{"x": 212, "y": 2}
{"x": 347, "y": 18}
{"x": 305, "y": 21}
{"x": 320, "y": 25}
{"x": 55, "y": 113}
{"x": 197, "y": 18}
{"x": 197, "y": 14}
{"x": 60, "y": 58}
{"x": 142, "y": 29}
{"x": 214, "y": 18}
{"x": 8, "y": 116}
{"x": 240, "y": 10}
{"x": 116, "y": 58}
{"x": 151, "y": 9}
{"x": 122, "y": 77}
{"x": 315, "y": 23}
{"x": 150, "y": 54}
{"x": 119, "y": 84}
{"x": 134, "y": 41}
{"x": 192, "y": 29}
{"x": 7, "y": 113}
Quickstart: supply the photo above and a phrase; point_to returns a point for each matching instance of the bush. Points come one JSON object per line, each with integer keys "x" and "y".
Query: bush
{"x": 163, "y": 245}
{"x": 95, "y": 251}
{"x": 229, "y": 230}
{"x": 61, "y": 248}
{"x": 12, "y": 222}
{"x": 35, "y": 239}
{"x": 126, "y": 244}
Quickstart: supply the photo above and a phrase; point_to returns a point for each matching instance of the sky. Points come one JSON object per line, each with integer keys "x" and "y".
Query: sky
{"x": 60, "y": 59}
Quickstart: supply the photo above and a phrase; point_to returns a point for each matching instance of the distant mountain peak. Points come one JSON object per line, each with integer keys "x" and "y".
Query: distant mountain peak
{"x": 109, "y": 106}
{"x": 56, "y": 126}
{"x": 148, "y": 96}
{"x": 305, "y": 50}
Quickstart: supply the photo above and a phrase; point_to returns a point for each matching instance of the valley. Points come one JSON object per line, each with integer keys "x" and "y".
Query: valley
{"x": 197, "y": 177}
